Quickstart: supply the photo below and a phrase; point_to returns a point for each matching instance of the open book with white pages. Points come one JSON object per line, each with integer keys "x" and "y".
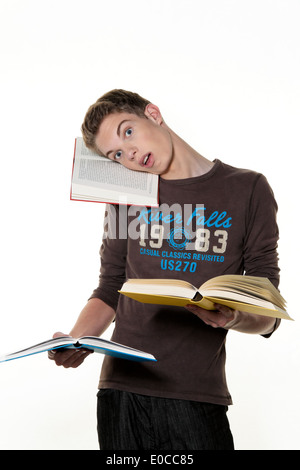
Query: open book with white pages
{"x": 92, "y": 343}
{"x": 99, "y": 179}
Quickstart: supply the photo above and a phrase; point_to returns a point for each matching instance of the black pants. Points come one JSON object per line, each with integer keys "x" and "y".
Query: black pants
{"x": 129, "y": 421}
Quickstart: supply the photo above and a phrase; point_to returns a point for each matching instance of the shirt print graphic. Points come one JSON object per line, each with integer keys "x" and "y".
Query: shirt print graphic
{"x": 181, "y": 239}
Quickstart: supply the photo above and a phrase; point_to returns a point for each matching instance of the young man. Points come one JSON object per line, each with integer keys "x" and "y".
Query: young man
{"x": 213, "y": 219}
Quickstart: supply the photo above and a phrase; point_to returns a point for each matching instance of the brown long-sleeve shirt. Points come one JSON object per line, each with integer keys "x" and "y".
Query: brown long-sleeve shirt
{"x": 223, "y": 222}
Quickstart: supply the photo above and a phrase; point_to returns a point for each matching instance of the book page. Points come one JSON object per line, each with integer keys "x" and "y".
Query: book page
{"x": 92, "y": 170}
{"x": 97, "y": 173}
{"x": 173, "y": 287}
{"x": 251, "y": 286}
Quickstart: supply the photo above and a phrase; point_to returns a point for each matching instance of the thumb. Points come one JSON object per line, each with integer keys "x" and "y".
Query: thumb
{"x": 58, "y": 334}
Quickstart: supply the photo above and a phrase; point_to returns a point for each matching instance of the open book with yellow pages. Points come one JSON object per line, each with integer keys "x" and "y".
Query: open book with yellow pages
{"x": 245, "y": 293}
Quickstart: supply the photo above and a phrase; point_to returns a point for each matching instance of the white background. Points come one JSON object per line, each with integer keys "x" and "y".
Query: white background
{"x": 225, "y": 74}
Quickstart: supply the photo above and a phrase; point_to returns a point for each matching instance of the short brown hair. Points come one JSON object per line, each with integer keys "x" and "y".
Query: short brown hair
{"x": 115, "y": 101}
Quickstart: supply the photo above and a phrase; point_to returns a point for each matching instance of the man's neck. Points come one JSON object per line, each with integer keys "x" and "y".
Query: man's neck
{"x": 186, "y": 162}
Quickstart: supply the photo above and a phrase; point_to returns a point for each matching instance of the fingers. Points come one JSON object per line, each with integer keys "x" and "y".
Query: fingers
{"x": 69, "y": 358}
{"x": 58, "y": 334}
{"x": 209, "y": 317}
{"x": 215, "y": 318}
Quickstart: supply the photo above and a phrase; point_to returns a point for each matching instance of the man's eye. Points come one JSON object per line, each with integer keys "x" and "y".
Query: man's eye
{"x": 118, "y": 155}
{"x": 128, "y": 132}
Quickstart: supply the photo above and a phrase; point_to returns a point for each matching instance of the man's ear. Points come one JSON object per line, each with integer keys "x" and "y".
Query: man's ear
{"x": 152, "y": 112}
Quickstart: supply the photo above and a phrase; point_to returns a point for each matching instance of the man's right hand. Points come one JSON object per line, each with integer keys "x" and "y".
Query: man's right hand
{"x": 68, "y": 357}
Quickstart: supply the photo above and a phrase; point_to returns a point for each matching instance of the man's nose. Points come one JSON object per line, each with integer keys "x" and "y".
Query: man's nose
{"x": 131, "y": 153}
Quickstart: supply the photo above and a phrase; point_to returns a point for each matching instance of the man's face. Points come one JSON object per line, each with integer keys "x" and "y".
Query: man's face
{"x": 138, "y": 143}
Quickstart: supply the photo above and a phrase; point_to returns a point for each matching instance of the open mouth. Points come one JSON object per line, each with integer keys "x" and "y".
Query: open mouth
{"x": 146, "y": 159}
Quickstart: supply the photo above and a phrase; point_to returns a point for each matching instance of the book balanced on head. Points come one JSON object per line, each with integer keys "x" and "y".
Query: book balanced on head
{"x": 245, "y": 293}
